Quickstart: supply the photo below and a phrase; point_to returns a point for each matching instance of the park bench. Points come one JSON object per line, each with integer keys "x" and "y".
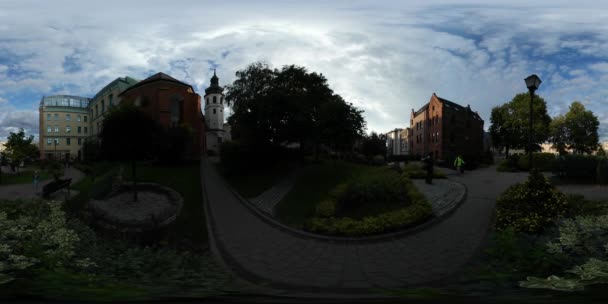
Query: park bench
{"x": 55, "y": 186}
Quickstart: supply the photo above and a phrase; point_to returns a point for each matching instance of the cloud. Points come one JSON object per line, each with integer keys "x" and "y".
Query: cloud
{"x": 386, "y": 58}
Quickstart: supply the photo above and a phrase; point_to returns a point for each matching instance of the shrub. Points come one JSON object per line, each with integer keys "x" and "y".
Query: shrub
{"x": 326, "y": 208}
{"x": 583, "y": 241}
{"x": 359, "y": 158}
{"x": 383, "y": 187}
{"x": 55, "y": 169}
{"x": 415, "y": 171}
{"x": 542, "y": 162}
{"x": 33, "y": 235}
{"x": 385, "y": 222}
{"x": 378, "y": 160}
{"x": 530, "y": 206}
{"x": 506, "y": 165}
{"x": 602, "y": 171}
{"x": 581, "y": 167}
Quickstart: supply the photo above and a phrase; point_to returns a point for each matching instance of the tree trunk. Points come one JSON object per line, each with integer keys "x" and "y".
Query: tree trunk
{"x": 507, "y": 151}
{"x": 134, "y": 180}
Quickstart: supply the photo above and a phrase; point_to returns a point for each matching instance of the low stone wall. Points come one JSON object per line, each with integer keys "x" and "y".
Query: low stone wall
{"x": 102, "y": 215}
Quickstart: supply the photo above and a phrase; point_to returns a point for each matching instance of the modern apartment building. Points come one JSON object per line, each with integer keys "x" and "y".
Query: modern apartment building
{"x": 105, "y": 99}
{"x": 64, "y": 125}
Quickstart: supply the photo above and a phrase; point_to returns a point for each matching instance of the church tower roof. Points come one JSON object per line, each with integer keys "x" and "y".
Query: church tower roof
{"x": 215, "y": 86}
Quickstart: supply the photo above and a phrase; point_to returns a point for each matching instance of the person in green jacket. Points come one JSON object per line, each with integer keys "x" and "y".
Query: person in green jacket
{"x": 459, "y": 164}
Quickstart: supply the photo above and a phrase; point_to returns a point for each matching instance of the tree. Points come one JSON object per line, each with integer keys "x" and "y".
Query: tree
{"x": 510, "y": 123}
{"x": 291, "y": 105}
{"x": 19, "y": 148}
{"x": 582, "y": 128}
{"x": 374, "y": 144}
{"x": 559, "y": 134}
{"x": 128, "y": 134}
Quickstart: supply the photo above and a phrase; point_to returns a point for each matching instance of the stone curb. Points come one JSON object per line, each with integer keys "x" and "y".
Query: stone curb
{"x": 354, "y": 240}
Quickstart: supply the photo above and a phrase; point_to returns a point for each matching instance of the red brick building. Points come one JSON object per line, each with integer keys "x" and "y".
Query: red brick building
{"x": 446, "y": 129}
{"x": 172, "y": 103}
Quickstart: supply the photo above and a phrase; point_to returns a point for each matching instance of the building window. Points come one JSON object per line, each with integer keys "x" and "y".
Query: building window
{"x": 176, "y": 110}
{"x": 207, "y": 99}
{"x": 77, "y": 117}
{"x": 79, "y": 129}
{"x": 48, "y": 141}
{"x": 48, "y": 116}
{"x": 68, "y": 117}
{"x": 48, "y": 129}
{"x": 222, "y": 100}
{"x": 68, "y": 129}
{"x": 68, "y": 141}
{"x": 103, "y": 106}
{"x": 214, "y": 99}
{"x": 56, "y": 141}
{"x": 80, "y": 141}
{"x": 453, "y": 118}
{"x": 214, "y": 111}
{"x": 468, "y": 123}
{"x": 56, "y": 116}
{"x": 110, "y": 100}
{"x": 96, "y": 110}
{"x": 86, "y": 130}
{"x": 98, "y": 128}
{"x": 56, "y": 129}
{"x": 85, "y": 118}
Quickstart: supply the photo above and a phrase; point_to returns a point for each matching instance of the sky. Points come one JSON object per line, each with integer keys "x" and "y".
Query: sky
{"x": 385, "y": 57}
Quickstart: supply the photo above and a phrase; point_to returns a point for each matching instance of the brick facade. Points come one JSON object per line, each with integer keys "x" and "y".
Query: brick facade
{"x": 170, "y": 102}
{"x": 446, "y": 129}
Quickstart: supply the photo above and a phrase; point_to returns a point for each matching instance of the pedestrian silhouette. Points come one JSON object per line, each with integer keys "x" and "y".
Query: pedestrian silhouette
{"x": 428, "y": 165}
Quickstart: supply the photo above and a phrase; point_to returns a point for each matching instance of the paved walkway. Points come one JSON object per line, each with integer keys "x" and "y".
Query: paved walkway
{"x": 271, "y": 197}
{"x": 25, "y": 191}
{"x": 444, "y": 194}
{"x": 265, "y": 254}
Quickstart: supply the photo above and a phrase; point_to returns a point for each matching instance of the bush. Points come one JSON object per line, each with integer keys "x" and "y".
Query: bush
{"x": 542, "y": 162}
{"x": 359, "y": 158}
{"x": 383, "y": 187}
{"x": 580, "y": 167}
{"x": 507, "y": 165}
{"x": 530, "y": 206}
{"x": 415, "y": 171}
{"x": 326, "y": 208}
{"x": 583, "y": 241}
{"x": 602, "y": 171}
{"x": 33, "y": 235}
{"x": 378, "y": 160}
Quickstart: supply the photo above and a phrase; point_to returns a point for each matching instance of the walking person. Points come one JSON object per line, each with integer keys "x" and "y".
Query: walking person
{"x": 428, "y": 165}
{"x": 459, "y": 164}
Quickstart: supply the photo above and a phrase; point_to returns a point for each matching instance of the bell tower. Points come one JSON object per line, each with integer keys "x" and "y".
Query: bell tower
{"x": 214, "y": 105}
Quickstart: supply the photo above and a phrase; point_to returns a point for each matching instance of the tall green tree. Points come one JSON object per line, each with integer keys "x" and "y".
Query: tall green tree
{"x": 19, "y": 147}
{"x": 510, "y": 123}
{"x": 128, "y": 134}
{"x": 560, "y": 134}
{"x": 290, "y": 105}
{"x": 374, "y": 144}
{"x": 582, "y": 128}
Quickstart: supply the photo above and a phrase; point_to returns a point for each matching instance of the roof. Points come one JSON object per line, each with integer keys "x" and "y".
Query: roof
{"x": 157, "y": 77}
{"x": 64, "y": 101}
{"x": 122, "y": 82}
{"x": 449, "y": 104}
{"x": 215, "y": 86}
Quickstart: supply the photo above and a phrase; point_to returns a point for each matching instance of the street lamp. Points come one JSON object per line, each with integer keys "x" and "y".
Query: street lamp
{"x": 532, "y": 82}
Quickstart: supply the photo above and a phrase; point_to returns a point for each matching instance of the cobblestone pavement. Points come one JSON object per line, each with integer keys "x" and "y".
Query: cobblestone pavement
{"x": 271, "y": 197}
{"x": 26, "y": 191}
{"x": 444, "y": 195}
{"x": 265, "y": 254}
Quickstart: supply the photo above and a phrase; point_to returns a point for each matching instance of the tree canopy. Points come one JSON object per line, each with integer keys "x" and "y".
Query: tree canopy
{"x": 290, "y": 105}
{"x": 374, "y": 144}
{"x": 19, "y": 147}
{"x": 510, "y": 123}
{"x": 576, "y": 130}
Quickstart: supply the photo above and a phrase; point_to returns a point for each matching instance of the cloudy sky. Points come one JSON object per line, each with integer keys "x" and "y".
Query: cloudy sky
{"x": 385, "y": 57}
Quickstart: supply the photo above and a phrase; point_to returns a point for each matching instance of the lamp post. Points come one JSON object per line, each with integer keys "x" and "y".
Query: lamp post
{"x": 532, "y": 82}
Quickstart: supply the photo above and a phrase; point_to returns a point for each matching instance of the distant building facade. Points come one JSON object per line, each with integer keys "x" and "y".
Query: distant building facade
{"x": 172, "y": 103}
{"x": 397, "y": 142}
{"x": 446, "y": 129}
{"x": 217, "y": 130}
{"x": 105, "y": 99}
{"x": 64, "y": 123}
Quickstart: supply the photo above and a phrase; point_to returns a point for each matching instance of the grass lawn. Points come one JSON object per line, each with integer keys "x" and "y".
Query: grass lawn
{"x": 313, "y": 185}
{"x": 25, "y": 176}
{"x": 253, "y": 184}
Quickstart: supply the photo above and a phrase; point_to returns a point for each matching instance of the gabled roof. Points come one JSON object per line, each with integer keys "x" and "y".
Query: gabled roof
{"x": 158, "y": 77}
{"x": 449, "y": 104}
